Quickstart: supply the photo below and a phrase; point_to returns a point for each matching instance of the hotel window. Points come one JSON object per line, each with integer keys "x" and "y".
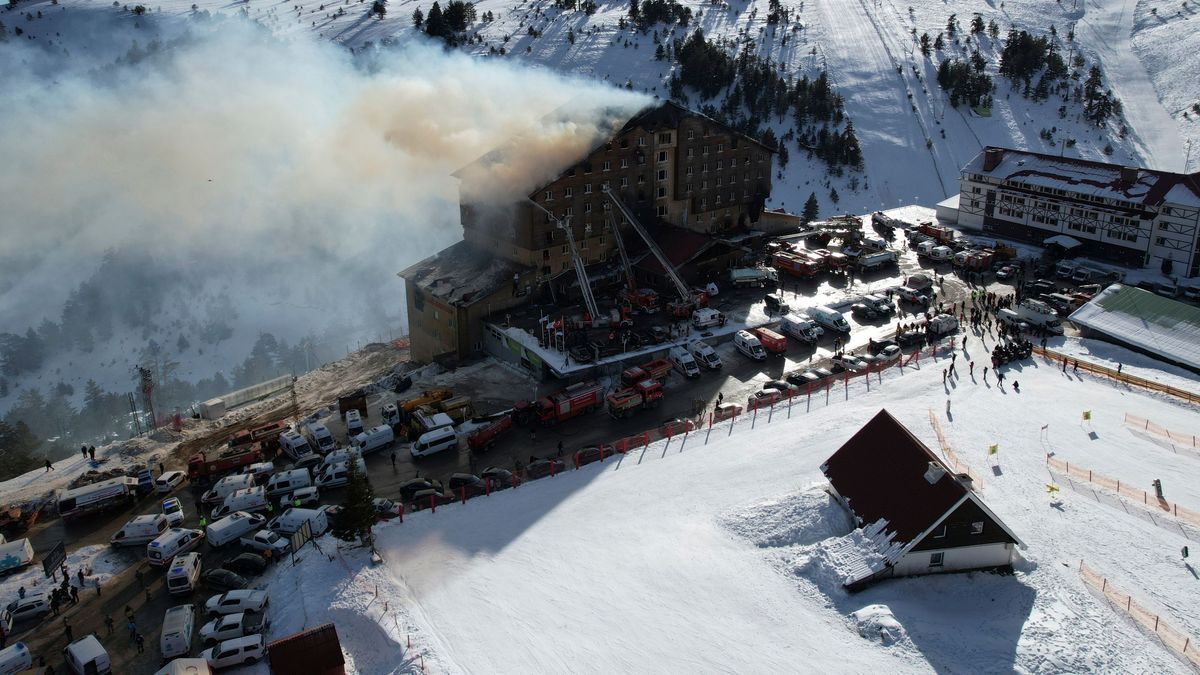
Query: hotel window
{"x": 664, "y": 138}
{"x": 720, "y": 147}
{"x": 624, "y": 162}
{"x": 549, "y": 195}
{"x": 689, "y": 172}
{"x": 662, "y": 192}
{"x": 691, "y": 134}
{"x": 662, "y": 155}
{"x": 587, "y": 207}
{"x": 587, "y": 189}
{"x": 569, "y": 212}
{"x": 687, "y": 187}
{"x": 691, "y": 152}
{"x": 662, "y": 174}
{"x": 662, "y": 212}
{"x": 624, "y": 181}
{"x": 706, "y": 149}
{"x": 641, "y": 141}
{"x": 607, "y": 166}
{"x": 568, "y": 193}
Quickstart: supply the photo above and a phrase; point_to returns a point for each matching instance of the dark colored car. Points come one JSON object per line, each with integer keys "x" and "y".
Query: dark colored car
{"x": 427, "y": 498}
{"x": 224, "y": 580}
{"x": 864, "y": 311}
{"x": 876, "y": 346}
{"x": 412, "y": 487}
{"x": 909, "y": 338}
{"x": 465, "y": 483}
{"x": 803, "y": 380}
{"x": 246, "y": 564}
{"x": 544, "y": 467}
{"x": 499, "y": 478}
{"x": 593, "y": 453}
{"x": 308, "y": 461}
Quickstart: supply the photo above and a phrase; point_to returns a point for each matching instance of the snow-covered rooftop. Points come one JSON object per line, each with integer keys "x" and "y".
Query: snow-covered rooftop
{"x": 1086, "y": 177}
{"x": 1159, "y": 325}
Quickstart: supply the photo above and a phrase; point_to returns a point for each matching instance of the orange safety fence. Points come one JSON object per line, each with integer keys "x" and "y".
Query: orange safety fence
{"x": 1123, "y": 489}
{"x": 1190, "y": 440}
{"x": 1189, "y": 396}
{"x": 958, "y": 465}
{"x": 1179, "y": 642}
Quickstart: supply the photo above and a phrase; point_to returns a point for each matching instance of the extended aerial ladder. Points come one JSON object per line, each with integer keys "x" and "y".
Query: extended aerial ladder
{"x": 687, "y": 301}
{"x": 645, "y": 299}
{"x": 585, "y": 286}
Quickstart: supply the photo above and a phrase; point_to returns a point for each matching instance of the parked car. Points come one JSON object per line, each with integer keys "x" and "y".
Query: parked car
{"x": 676, "y": 427}
{"x": 246, "y": 564}
{"x": 1005, "y": 272}
{"x": 33, "y": 606}
{"x": 426, "y": 498}
{"x": 224, "y": 580}
{"x": 764, "y": 399}
{"x": 889, "y": 353}
{"x": 823, "y": 372}
{"x": 169, "y": 481}
{"x": 543, "y": 467}
{"x": 238, "y": 651}
{"x": 304, "y": 497}
{"x": 386, "y": 509}
{"x": 849, "y": 362}
{"x": 312, "y": 461}
{"x": 726, "y": 411}
{"x": 593, "y": 453}
{"x": 412, "y": 487}
{"x": 250, "y": 600}
{"x": 230, "y": 626}
{"x": 803, "y": 380}
{"x": 465, "y": 483}
{"x": 862, "y": 310}
{"x": 499, "y": 478}
{"x": 784, "y": 387}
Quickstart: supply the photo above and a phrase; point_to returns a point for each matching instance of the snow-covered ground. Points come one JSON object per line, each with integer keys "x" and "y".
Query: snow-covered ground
{"x": 719, "y": 552}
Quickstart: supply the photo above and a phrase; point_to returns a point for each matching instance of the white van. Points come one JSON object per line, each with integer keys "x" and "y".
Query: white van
{"x": 1065, "y": 269}
{"x": 288, "y": 481}
{"x": 749, "y": 345}
{"x": 293, "y": 444}
{"x": 375, "y": 438}
{"x": 141, "y": 530}
{"x": 831, "y": 319}
{"x": 172, "y": 510}
{"x": 184, "y": 574}
{"x": 925, "y": 247}
{"x": 338, "y": 457}
{"x": 15, "y": 658}
{"x": 705, "y": 355}
{"x": 250, "y": 500}
{"x": 171, "y": 543}
{"x": 86, "y": 656}
{"x": 227, "y": 486}
{"x": 232, "y": 527}
{"x": 290, "y": 521}
{"x": 684, "y": 362}
{"x": 706, "y": 318}
{"x": 319, "y": 436}
{"x": 354, "y": 425}
{"x": 185, "y": 666}
{"x": 235, "y": 652}
{"x": 801, "y": 327}
{"x": 178, "y": 624}
{"x": 435, "y": 441}
{"x": 337, "y": 475}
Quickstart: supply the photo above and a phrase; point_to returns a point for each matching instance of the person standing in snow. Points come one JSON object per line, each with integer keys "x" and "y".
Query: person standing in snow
{"x": 947, "y": 407}
{"x": 49, "y": 466}
{"x": 1016, "y": 386}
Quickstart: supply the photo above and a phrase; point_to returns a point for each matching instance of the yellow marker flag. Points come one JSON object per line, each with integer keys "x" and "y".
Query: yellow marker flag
{"x": 1087, "y": 414}
{"x": 993, "y": 449}
{"x": 1051, "y": 488}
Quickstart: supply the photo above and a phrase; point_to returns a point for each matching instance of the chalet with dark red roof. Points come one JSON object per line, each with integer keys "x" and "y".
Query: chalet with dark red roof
{"x": 920, "y": 517}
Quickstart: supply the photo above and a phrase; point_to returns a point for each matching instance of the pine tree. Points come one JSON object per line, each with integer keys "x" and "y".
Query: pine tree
{"x": 418, "y": 18}
{"x": 435, "y": 23}
{"x": 939, "y": 42}
{"x": 925, "y": 48}
{"x": 977, "y": 26}
{"x": 17, "y": 444}
{"x": 357, "y": 516}
{"x": 811, "y": 208}
{"x": 833, "y": 195}
{"x": 379, "y": 8}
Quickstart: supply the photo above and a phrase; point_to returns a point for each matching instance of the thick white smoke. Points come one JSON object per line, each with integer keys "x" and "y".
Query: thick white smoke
{"x": 303, "y": 180}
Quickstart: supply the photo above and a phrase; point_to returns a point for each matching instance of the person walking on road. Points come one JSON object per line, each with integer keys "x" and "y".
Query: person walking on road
{"x": 83, "y": 450}
{"x": 132, "y": 628}
{"x": 138, "y": 574}
{"x": 68, "y": 631}
{"x": 49, "y": 466}
{"x": 108, "y": 623}
{"x": 141, "y": 643}
{"x": 1119, "y": 367}
{"x": 74, "y": 595}
{"x": 92, "y": 452}
{"x": 1075, "y": 369}
{"x": 393, "y": 459}
{"x": 945, "y": 373}
{"x": 80, "y": 575}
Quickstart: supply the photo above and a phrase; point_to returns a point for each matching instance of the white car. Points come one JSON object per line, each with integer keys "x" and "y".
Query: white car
{"x": 888, "y": 354}
{"x": 248, "y": 600}
{"x": 169, "y": 481}
{"x": 304, "y": 497}
{"x": 172, "y": 508}
{"x": 235, "y": 652}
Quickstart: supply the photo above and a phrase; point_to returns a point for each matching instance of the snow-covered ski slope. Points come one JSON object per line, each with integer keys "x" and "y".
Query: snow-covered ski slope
{"x": 721, "y": 553}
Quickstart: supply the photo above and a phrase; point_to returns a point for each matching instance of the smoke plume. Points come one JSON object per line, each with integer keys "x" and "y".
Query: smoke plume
{"x": 287, "y": 172}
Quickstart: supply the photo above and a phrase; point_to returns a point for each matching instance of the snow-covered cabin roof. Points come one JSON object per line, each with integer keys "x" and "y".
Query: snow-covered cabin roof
{"x": 461, "y": 274}
{"x": 884, "y": 472}
{"x": 1087, "y": 177}
{"x": 1148, "y": 321}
